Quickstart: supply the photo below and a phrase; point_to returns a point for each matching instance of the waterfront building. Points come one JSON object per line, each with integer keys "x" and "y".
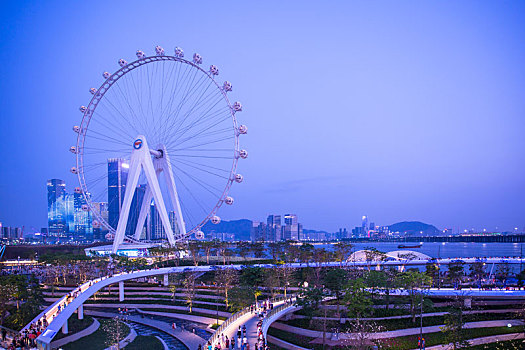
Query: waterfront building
{"x": 117, "y": 178}
{"x": 258, "y": 231}
{"x": 56, "y": 207}
{"x": 290, "y": 219}
{"x": 156, "y": 230}
{"x": 10, "y": 233}
{"x": 273, "y": 228}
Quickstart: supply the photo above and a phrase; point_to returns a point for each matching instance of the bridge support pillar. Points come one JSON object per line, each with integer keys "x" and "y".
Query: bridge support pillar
{"x": 64, "y": 328}
{"x": 80, "y": 312}
{"x": 166, "y": 282}
{"x": 121, "y": 291}
{"x": 468, "y": 303}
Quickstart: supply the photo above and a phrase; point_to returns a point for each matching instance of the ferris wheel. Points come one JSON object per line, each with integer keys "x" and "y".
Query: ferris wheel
{"x": 159, "y": 133}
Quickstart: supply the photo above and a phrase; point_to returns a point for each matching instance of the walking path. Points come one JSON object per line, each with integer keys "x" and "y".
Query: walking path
{"x": 189, "y": 339}
{"x": 52, "y": 300}
{"x": 396, "y": 333}
{"x": 430, "y": 314}
{"x": 481, "y": 341}
{"x": 160, "y": 306}
{"x": 193, "y": 318}
{"x": 249, "y": 320}
{"x": 76, "y": 336}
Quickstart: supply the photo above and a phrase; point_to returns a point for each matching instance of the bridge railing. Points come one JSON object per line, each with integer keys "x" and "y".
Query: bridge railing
{"x": 220, "y": 330}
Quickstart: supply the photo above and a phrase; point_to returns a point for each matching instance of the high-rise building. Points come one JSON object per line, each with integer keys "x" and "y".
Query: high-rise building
{"x": 56, "y": 207}
{"x": 258, "y": 232}
{"x": 290, "y": 219}
{"x": 117, "y": 178}
{"x": 82, "y": 217}
{"x": 156, "y": 229}
{"x": 273, "y": 228}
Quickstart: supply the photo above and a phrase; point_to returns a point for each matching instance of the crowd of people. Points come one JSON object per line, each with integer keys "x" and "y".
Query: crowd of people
{"x": 241, "y": 341}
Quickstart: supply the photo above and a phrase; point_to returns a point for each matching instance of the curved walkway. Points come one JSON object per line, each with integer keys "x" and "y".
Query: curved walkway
{"x": 60, "y": 311}
{"x": 76, "y": 336}
{"x": 481, "y": 341}
{"x": 396, "y": 333}
{"x": 189, "y": 339}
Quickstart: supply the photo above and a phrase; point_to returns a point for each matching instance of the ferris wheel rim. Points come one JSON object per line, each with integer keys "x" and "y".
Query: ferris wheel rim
{"x": 98, "y": 97}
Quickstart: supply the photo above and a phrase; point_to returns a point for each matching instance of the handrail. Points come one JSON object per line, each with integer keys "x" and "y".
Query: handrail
{"x": 235, "y": 317}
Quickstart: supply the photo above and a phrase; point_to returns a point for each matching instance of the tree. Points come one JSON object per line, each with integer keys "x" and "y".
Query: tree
{"x": 240, "y": 297}
{"x": 309, "y": 299}
{"x": 414, "y": 282}
{"x": 306, "y": 252}
{"x": 194, "y": 247}
{"x": 357, "y": 299}
{"x": 319, "y": 255}
{"x": 372, "y": 254}
{"x": 173, "y": 290}
{"x": 275, "y": 250}
{"x": 252, "y": 276}
{"x": 477, "y": 271}
{"x": 7, "y": 294}
{"x": 432, "y": 271}
{"x": 207, "y": 246}
{"x": 226, "y": 278}
{"x": 335, "y": 281}
{"x": 455, "y": 272}
{"x": 503, "y": 272}
{"x": 258, "y": 249}
{"x": 453, "y": 329}
{"x": 343, "y": 251}
{"x": 189, "y": 289}
{"x": 243, "y": 249}
{"x": 115, "y": 331}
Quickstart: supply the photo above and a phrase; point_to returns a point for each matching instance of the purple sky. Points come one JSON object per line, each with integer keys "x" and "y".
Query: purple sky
{"x": 400, "y": 110}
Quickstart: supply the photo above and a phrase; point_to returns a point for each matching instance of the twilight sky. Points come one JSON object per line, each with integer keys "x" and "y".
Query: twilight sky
{"x": 399, "y": 110}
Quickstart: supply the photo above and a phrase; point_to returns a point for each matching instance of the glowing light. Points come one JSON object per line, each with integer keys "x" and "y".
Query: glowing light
{"x": 125, "y": 165}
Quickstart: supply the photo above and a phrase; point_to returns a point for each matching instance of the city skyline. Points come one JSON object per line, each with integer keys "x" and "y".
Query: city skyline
{"x": 418, "y": 119}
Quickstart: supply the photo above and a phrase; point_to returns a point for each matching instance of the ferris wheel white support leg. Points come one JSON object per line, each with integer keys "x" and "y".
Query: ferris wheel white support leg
{"x": 144, "y": 208}
{"x": 141, "y": 160}
{"x": 131, "y": 184}
{"x": 168, "y": 174}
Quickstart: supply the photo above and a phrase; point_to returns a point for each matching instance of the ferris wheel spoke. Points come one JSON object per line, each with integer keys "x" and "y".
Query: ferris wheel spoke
{"x": 177, "y": 133}
{"x": 227, "y": 171}
{"x": 122, "y": 115}
{"x": 132, "y": 115}
{"x": 175, "y": 114}
{"x": 200, "y": 183}
{"x": 112, "y": 116}
{"x": 203, "y": 170}
{"x": 108, "y": 125}
{"x": 216, "y": 121}
{"x": 199, "y": 203}
{"x": 193, "y": 147}
{"x": 200, "y": 96}
{"x": 203, "y": 135}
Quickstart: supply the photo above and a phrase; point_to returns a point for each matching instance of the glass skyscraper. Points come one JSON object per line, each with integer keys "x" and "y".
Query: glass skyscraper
{"x": 117, "y": 178}
{"x": 56, "y": 207}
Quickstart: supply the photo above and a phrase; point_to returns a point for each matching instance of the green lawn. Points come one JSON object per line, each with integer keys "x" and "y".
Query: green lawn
{"x": 400, "y": 343}
{"x": 184, "y": 312}
{"x": 505, "y": 345}
{"x": 75, "y": 325}
{"x": 394, "y": 324}
{"x": 97, "y": 340}
{"x": 142, "y": 342}
{"x": 431, "y": 339}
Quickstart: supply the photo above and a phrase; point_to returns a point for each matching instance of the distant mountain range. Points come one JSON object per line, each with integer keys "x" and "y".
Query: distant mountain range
{"x": 242, "y": 228}
{"x": 415, "y": 228}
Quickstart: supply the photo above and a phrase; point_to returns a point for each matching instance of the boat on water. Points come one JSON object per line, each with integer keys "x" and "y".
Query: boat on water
{"x": 404, "y": 246}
